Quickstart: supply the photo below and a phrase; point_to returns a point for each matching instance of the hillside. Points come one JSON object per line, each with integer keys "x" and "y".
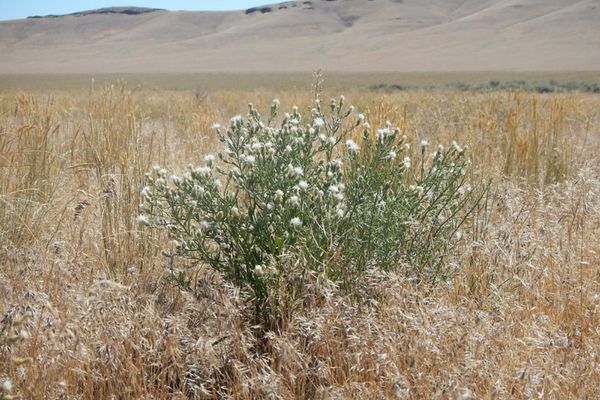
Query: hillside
{"x": 344, "y": 35}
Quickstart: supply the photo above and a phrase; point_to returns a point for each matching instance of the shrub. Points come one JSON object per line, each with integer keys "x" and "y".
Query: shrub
{"x": 289, "y": 194}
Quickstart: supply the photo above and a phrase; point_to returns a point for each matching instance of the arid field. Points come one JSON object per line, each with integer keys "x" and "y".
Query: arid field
{"x": 90, "y": 307}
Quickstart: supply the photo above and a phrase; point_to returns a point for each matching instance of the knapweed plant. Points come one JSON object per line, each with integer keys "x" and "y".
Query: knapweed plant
{"x": 325, "y": 192}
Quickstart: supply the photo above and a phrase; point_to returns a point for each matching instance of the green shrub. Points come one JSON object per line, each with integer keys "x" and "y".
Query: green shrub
{"x": 285, "y": 201}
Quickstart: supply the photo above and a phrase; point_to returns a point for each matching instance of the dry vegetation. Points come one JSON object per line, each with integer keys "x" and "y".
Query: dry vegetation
{"x": 290, "y": 81}
{"x": 88, "y": 309}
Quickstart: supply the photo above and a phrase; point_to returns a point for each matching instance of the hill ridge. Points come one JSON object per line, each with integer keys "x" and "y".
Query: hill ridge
{"x": 126, "y": 10}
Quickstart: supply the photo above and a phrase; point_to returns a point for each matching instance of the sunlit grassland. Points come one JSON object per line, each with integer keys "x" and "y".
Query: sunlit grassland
{"x": 283, "y": 81}
{"x": 519, "y": 319}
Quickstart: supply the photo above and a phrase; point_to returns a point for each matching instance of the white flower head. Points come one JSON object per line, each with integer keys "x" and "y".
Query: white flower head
{"x": 249, "y": 159}
{"x": 296, "y": 222}
{"x": 299, "y": 140}
{"x": 205, "y": 171}
{"x": 392, "y": 154}
{"x": 352, "y": 146}
{"x": 142, "y": 219}
{"x": 276, "y": 103}
{"x": 318, "y": 122}
{"x": 258, "y": 270}
{"x": 457, "y": 148}
{"x": 235, "y": 211}
{"x": 7, "y": 386}
{"x": 294, "y": 200}
{"x": 406, "y": 162}
{"x": 424, "y": 143}
{"x": 205, "y": 224}
{"x": 418, "y": 189}
{"x": 216, "y": 126}
{"x": 464, "y": 189}
{"x": 303, "y": 185}
{"x": 209, "y": 158}
{"x": 384, "y": 133}
{"x": 278, "y": 195}
{"x": 295, "y": 171}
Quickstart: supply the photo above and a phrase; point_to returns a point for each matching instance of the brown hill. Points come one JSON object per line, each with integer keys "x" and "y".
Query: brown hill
{"x": 343, "y": 35}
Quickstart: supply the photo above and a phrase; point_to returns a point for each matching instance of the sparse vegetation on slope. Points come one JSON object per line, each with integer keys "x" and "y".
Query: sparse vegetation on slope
{"x": 105, "y": 11}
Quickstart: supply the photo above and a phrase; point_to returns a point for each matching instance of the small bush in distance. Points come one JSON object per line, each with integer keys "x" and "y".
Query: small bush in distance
{"x": 306, "y": 192}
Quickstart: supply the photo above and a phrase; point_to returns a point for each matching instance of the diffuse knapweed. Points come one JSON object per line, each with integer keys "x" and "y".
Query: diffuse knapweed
{"x": 303, "y": 188}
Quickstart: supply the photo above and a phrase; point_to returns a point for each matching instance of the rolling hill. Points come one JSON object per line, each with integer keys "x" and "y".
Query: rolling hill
{"x": 342, "y": 35}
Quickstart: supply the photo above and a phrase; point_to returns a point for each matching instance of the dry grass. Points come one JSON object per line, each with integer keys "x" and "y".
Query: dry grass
{"x": 519, "y": 320}
{"x": 288, "y": 81}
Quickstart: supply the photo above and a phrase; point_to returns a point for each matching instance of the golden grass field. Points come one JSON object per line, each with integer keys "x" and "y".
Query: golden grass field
{"x": 87, "y": 309}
